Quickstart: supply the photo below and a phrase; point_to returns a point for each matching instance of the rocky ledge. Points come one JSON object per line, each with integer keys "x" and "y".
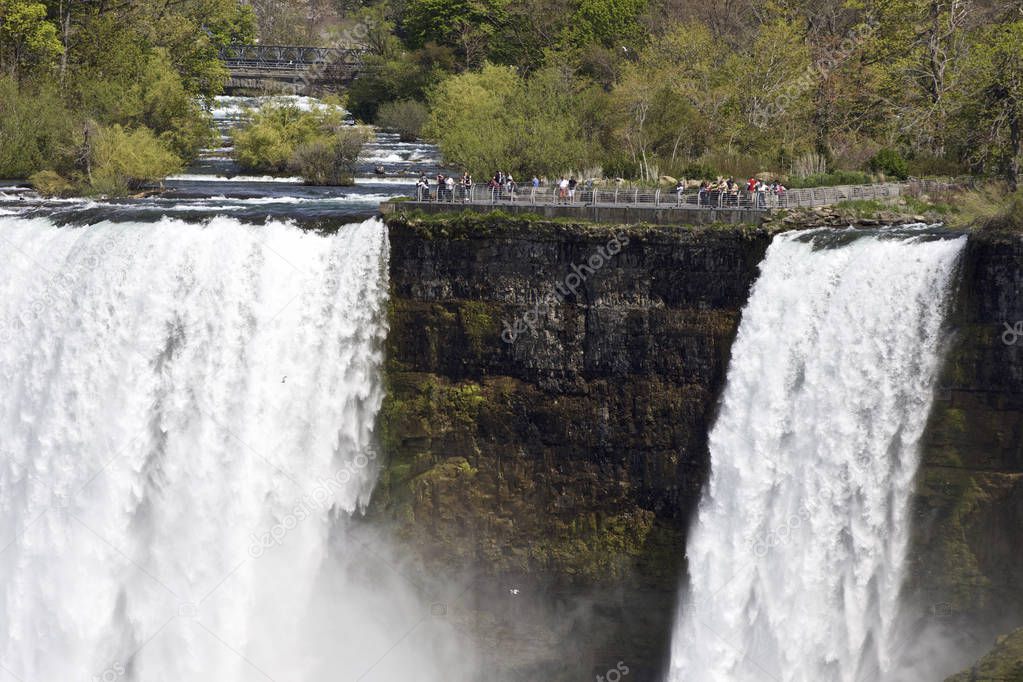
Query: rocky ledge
{"x": 550, "y": 388}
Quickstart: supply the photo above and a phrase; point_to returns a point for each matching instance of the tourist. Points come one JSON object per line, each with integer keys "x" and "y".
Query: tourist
{"x": 779, "y": 194}
{"x": 571, "y": 188}
{"x": 423, "y": 188}
{"x": 563, "y": 189}
{"x": 449, "y": 188}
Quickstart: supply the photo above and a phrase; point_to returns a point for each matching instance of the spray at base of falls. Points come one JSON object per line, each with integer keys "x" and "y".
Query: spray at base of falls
{"x": 187, "y": 425}
{"x": 798, "y": 554}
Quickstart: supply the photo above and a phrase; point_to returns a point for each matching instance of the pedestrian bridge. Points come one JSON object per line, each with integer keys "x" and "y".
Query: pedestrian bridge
{"x": 289, "y": 69}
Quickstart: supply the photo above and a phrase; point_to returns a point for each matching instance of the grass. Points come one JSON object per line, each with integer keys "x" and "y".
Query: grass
{"x": 991, "y": 208}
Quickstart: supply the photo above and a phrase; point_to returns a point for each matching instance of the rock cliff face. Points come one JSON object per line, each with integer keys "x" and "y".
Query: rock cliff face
{"x": 550, "y": 388}
{"x": 968, "y": 546}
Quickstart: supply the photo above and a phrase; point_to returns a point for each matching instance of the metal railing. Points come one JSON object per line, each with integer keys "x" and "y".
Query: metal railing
{"x": 286, "y": 56}
{"x": 586, "y": 195}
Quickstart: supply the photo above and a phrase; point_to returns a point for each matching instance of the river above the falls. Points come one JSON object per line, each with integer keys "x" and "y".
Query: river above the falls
{"x": 214, "y": 185}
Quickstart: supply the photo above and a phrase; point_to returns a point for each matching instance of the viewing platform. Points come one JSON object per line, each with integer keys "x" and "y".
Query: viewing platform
{"x": 631, "y": 205}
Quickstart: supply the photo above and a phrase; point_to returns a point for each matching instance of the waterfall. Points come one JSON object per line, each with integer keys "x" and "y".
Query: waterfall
{"x": 186, "y": 416}
{"x": 798, "y": 554}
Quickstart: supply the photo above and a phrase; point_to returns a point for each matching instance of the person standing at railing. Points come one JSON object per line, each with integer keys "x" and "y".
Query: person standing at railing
{"x": 571, "y": 189}
{"x": 466, "y": 186}
{"x": 779, "y": 192}
{"x": 423, "y": 188}
{"x": 680, "y": 188}
{"x": 563, "y": 189}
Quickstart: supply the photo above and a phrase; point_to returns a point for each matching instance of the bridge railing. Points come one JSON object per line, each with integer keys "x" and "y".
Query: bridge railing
{"x": 584, "y": 195}
{"x": 286, "y": 56}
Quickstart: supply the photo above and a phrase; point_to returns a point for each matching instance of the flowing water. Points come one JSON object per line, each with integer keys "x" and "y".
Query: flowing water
{"x": 798, "y": 555}
{"x": 214, "y": 185}
{"x": 187, "y": 418}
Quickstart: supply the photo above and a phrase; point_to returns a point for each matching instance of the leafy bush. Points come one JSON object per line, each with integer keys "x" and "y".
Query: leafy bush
{"x": 35, "y": 127}
{"x": 122, "y": 160}
{"x": 316, "y": 144}
{"x": 495, "y": 119}
{"x": 620, "y": 166}
{"x": 267, "y": 142}
{"x": 889, "y": 162}
{"x": 698, "y": 171}
{"x": 171, "y": 111}
{"x": 330, "y": 159}
{"x": 51, "y": 184}
{"x": 406, "y": 118}
{"x": 831, "y": 179}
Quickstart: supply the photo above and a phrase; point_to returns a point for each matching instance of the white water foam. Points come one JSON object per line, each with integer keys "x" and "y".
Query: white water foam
{"x": 798, "y": 555}
{"x": 186, "y": 422}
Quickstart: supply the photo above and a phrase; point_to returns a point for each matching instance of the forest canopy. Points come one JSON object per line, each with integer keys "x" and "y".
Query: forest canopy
{"x": 641, "y": 89}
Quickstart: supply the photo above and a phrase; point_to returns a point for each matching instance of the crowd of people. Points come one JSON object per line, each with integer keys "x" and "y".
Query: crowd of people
{"x": 727, "y": 192}
{"x": 722, "y": 192}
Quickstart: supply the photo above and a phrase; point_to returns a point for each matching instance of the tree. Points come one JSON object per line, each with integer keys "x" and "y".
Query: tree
{"x": 496, "y": 120}
{"x": 27, "y": 38}
{"x": 990, "y": 100}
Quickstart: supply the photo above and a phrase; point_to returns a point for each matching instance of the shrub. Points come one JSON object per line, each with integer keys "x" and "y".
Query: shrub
{"x": 35, "y": 127}
{"x": 316, "y": 144}
{"x": 620, "y": 166}
{"x": 171, "y": 111}
{"x": 831, "y": 179}
{"x": 122, "y": 160}
{"x": 51, "y": 184}
{"x": 330, "y": 159}
{"x": 698, "y": 171}
{"x": 406, "y": 118}
{"x": 889, "y": 162}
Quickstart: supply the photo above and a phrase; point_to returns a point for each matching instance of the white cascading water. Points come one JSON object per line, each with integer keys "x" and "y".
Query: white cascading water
{"x": 797, "y": 557}
{"x": 186, "y": 415}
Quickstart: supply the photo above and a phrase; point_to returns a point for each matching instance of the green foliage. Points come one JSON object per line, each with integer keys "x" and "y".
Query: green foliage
{"x": 990, "y": 101}
{"x": 698, "y": 171}
{"x": 330, "y": 159}
{"x": 406, "y": 76}
{"x": 27, "y": 39}
{"x": 466, "y": 25}
{"x": 495, "y": 119}
{"x": 613, "y": 24}
{"x": 620, "y": 166}
{"x": 831, "y": 179}
{"x": 406, "y": 118}
{"x": 889, "y": 162}
{"x": 316, "y": 144}
{"x": 121, "y": 161}
{"x": 991, "y": 208}
{"x": 50, "y": 183}
{"x": 267, "y": 142}
{"x": 167, "y": 108}
{"x": 132, "y": 72}
{"x": 35, "y": 127}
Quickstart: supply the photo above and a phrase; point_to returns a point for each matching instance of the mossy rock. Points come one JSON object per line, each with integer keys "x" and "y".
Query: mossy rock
{"x": 1004, "y": 663}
